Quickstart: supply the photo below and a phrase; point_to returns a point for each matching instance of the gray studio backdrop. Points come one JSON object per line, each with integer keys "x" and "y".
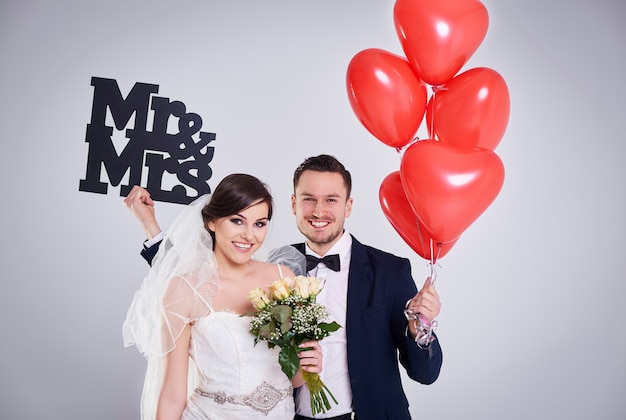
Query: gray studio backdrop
{"x": 533, "y": 312}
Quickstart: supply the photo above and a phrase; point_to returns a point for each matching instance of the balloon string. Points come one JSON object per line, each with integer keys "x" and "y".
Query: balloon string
{"x": 433, "y": 274}
{"x": 433, "y": 261}
{"x": 432, "y": 254}
{"x": 432, "y": 118}
{"x": 401, "y": 149}
{"x": 434, "y": 258}
{"x": 419, "y": 235}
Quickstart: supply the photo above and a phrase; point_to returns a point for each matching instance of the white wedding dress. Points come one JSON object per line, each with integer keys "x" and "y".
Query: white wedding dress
{"x": 232, "y": 378}
{"x": 237, "y": 380}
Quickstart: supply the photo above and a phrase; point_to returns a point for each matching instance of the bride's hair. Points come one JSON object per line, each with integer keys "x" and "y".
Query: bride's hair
{"x": 236, "y": 192}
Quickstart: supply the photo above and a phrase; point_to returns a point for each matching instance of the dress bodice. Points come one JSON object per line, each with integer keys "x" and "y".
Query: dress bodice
{"x": 227, "y": 359}
{"x": 233, "y": 371}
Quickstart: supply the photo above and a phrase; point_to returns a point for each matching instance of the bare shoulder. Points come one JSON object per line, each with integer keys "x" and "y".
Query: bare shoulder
{"x": 270, "y": 271}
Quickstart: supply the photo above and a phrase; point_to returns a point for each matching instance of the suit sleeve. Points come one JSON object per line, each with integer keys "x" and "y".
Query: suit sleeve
{"x": 421, "y": 365}
{"x": 148, "y": 253}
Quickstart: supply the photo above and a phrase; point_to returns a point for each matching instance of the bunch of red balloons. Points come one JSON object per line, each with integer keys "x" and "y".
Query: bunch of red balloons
{"x": 447, "y": 181}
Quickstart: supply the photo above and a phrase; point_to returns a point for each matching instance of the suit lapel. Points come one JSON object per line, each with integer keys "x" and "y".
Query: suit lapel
{"x": 360, "y": 282}
{"x": 300, "y": 247}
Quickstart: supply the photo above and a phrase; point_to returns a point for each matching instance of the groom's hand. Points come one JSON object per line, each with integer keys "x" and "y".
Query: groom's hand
{"x": 311, "y": 356}
{"x": 426, "y": 303}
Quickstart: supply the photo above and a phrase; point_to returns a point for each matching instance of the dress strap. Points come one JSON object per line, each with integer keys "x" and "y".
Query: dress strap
{"x": 280, "y": 270}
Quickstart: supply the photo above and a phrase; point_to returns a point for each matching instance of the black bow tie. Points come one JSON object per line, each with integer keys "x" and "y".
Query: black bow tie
{"x": 331, "y": 261}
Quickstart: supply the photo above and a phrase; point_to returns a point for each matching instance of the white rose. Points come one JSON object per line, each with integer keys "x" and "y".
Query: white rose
{"x": 258, "y": 298}
{"x": 280, "y": 289}
{"x": 315, "y": 285}
{"x": 302, "y": 287}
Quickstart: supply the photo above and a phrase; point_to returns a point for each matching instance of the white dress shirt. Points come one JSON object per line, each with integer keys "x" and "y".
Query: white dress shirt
{"x": 334, "y": 296}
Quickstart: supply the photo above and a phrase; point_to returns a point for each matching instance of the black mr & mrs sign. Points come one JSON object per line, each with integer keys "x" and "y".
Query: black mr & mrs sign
{"x": 157, "y": 150}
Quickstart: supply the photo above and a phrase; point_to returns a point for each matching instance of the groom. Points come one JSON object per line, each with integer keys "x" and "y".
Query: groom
{"x": 366, "y": 291}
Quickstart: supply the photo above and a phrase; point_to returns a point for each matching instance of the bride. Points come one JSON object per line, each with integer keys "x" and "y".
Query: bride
{"x": 188, "y": 316}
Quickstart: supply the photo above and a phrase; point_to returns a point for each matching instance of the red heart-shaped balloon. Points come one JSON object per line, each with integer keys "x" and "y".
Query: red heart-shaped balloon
{"x": 448, "y": 188}
{"x": 472, "y": 110}
{"x": 439, "y": 36}
{"x": 398, "y": 211}
{"x": 386, "y": 96}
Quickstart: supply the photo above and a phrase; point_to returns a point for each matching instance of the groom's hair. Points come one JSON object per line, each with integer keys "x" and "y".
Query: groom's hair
{"x": 324, "y": 163}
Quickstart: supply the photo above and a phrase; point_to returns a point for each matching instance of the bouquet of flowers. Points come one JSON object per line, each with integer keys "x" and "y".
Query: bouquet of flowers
{"x": 288, "y": 316}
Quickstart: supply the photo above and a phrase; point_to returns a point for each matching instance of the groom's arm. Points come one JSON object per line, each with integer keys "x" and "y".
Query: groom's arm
{"x": 150, "y": 247}
{"x": 422, "y": 364}
{"x": 141, "y": 205}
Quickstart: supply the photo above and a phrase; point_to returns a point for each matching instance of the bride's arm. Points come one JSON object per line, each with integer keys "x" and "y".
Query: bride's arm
{"x": 310, "y": 361}
{"x": 173, "y": 395}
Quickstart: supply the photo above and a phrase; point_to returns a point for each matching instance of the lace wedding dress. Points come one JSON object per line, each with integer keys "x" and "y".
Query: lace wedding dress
{"x": 237, "y": 380}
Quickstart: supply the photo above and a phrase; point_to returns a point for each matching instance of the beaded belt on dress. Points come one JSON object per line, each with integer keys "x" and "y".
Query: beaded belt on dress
{"x": 263, "y": 399}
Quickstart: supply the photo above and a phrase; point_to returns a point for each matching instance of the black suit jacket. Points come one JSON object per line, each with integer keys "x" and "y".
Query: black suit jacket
{"x": 379, "y": 285}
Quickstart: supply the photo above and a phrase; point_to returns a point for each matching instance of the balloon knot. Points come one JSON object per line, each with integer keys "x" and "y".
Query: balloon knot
{"x": 401, "y": 150}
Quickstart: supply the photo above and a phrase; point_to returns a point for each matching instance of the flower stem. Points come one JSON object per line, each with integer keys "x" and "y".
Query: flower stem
{"x": 318, "y": 390}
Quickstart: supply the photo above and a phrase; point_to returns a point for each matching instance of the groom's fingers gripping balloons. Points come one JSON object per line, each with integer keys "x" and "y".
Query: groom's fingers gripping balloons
{"x": 426, "y": 302}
